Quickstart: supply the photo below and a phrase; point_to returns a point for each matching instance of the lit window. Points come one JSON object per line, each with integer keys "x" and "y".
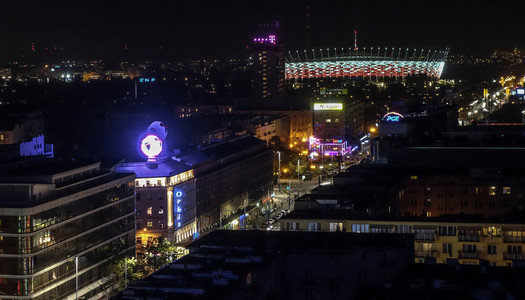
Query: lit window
{"x": 429, "y": 214}
{"x": 150, "y": 224}
{"x": 506, "y": 190}
{"x": 492, "y": 191}
{"x": 161, "y": 211}
{"x": 328, "y": 120}
{"x": 413, "y": 177}
{"x": 149, "y": 211}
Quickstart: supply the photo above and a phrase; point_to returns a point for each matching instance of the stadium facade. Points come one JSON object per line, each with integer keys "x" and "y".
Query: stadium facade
{"x": 368, "y": 62}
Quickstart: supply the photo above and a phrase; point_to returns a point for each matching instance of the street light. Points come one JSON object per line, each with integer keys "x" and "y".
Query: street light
{"x": 279, "y": 175}
{"x": 298, "y": 178}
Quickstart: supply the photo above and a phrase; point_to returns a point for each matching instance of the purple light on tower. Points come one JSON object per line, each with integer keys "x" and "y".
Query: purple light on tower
{"x": 270, "y": 39}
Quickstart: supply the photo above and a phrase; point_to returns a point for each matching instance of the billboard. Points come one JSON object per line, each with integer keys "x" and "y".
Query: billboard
{"x": 328, "y": 106}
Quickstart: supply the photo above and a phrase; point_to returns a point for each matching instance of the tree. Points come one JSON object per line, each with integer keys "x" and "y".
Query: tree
{"x": 160, "y": 252}
{"x": 275, "y": 142}
{"x": 134, "y": 270}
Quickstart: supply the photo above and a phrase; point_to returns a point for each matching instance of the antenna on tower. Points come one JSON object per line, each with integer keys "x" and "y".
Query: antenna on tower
{"x": 355, "y": 40}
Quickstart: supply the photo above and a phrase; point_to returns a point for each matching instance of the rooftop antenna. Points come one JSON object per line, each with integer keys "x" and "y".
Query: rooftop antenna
{"x": 355, "y": 40}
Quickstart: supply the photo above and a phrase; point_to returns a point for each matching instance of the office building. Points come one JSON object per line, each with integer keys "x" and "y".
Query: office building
{"x": 268, "y": 62}
{"x": 195, "y": 191}
{"x": 61, "y": 224}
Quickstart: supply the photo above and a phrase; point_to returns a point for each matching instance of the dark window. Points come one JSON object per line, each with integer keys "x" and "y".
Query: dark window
{"x": 447, "y": 248}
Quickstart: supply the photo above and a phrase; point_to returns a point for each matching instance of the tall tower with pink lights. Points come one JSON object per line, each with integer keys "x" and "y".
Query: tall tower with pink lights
{"x": 268, "y": 60}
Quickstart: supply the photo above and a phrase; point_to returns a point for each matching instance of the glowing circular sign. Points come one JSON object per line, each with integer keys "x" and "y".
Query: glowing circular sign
{"x": 151, "y": 146}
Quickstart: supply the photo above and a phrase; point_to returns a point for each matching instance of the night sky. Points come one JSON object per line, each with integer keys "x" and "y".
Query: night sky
{"x": 218, "y": 29}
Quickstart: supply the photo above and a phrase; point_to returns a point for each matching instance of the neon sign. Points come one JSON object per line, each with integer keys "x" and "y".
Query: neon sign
{"x": 144, "y": 80}
{"x": 270, "y": 39}
{"x": 178, "y": 208}
{"x": 151, "y": 146}
{"x": 328, "y": 106}
{"x": 392, "y": 117}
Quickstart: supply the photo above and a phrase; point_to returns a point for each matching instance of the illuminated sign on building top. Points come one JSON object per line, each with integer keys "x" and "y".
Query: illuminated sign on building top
{"x": 151, "y": 146}
{"x": 392, "y": 117}
{"x": 328, "y": 106}
{"x": 270, "y": 39}
{"x": 144, "y": 80}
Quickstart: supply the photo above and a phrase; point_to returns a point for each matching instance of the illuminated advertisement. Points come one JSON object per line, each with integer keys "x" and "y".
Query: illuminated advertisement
{"x": 392, "y": 117}
{"x": 153, "y": 139}
{"x": 151, "y": 146}
{"x": 178, "y": 208}
{"x": 146, "y": 80}
{"x": 332, "y": 147}
{"x": 269, "y": 39}
{"x": 328, "y": 106}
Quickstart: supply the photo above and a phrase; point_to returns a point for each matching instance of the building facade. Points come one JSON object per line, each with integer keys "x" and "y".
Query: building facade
{"x": 196, "y": 191}
{"x": 62, "y": 223}
{"x": 483, "y": 242}
{"x": 268, "y": 64}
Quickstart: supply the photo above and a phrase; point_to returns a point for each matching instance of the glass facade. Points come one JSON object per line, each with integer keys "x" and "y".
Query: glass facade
{"x": 39, "y": 249}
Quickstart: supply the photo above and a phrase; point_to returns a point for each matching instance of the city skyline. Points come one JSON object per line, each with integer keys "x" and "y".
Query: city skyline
{"x": 206, "y": 29}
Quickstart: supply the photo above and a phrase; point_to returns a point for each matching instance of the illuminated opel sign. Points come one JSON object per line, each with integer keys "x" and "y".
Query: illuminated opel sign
{"x": 328, "y": 106}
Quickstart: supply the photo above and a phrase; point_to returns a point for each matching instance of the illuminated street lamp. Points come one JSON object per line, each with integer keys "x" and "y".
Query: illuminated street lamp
{"x": 279, "y": 175}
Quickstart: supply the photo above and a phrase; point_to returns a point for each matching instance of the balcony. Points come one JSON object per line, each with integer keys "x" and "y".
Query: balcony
{"x": 514, "y": 239}
{"x": 513, "y": 256}
{"x": 424, "y": 237}
{"x": 469, "y": 238}
{"x": 426, "y": 254}
{"x": 468, "y": 255}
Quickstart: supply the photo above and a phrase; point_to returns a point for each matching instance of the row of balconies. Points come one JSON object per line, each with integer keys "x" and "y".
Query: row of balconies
{"x": 469, "y": 255}
{"x": 470, "y": 238}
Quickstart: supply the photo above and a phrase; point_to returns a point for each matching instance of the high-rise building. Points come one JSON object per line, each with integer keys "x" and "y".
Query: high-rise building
{"x": 62, "y": 223}
{"x": 268, "y": 62}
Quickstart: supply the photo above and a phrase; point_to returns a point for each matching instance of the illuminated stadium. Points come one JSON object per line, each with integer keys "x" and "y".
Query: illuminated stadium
{"x": 368, "y": 62}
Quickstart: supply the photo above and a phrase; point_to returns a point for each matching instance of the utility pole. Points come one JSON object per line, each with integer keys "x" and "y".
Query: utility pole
{"x": 298, "y": 177}
{"x": 279, "y": 175}
{"x": 76, "y": 277}
{"x": 125, "y": 272}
